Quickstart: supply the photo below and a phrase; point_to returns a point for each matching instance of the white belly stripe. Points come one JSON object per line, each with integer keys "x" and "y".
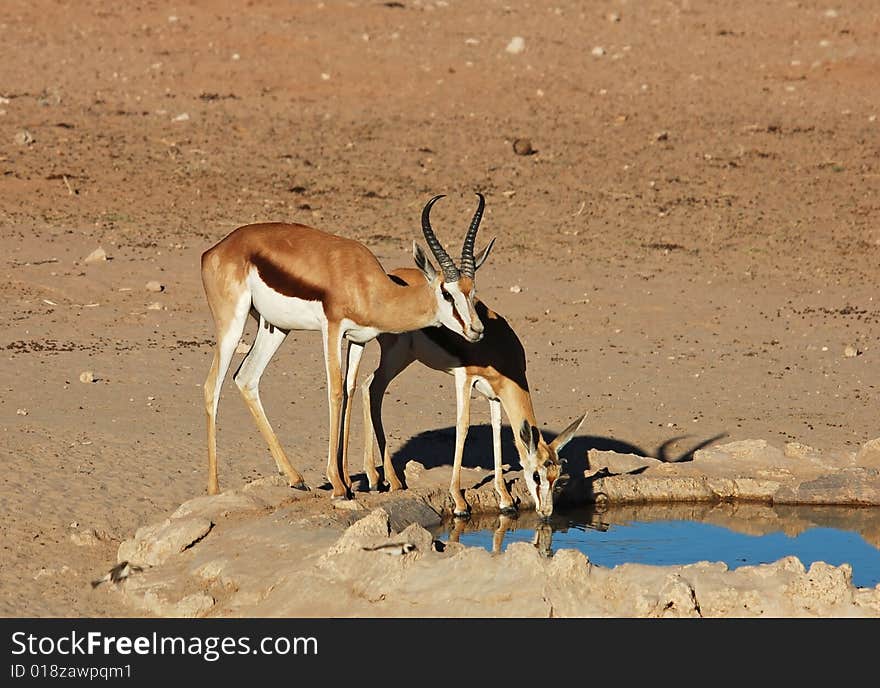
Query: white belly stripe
{"x": 286, "y": 312}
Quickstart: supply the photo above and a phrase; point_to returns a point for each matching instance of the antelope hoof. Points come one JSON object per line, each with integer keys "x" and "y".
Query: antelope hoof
{"x": 301, "y": 485}
{"x": 509, "y": 510}
{"x": 466, "y": 514}
{"x": 344, "y": 497}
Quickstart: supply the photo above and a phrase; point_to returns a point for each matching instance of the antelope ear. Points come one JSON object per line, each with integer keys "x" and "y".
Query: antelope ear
{"x": 480, "y": 258}
{"x": 565, "y": 436}
{"x": 422, "y": 263}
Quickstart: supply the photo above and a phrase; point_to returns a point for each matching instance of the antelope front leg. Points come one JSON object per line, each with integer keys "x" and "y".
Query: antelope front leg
{"x": 335, "y": 390}
{"x": 463, "y": 384}
{"x": 505, "y": 501}
{"x": 355, "y": 351}
{"x": 369, "y": 437}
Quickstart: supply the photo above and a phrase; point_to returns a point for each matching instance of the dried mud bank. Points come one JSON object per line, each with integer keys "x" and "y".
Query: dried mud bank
{"x": 265, "y": 550}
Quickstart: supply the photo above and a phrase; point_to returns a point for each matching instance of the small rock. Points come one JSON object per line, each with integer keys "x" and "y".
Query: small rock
{"x": 87, "y": 376}
{"x": 155, "y": 306}
{"x": 346, "y": 505}
{"x": 598, "y": 51}
{"x": 154, "y": 286}
{"x": 96, "y": 256}
{"x": 24, "y": 138}
{"x": 831, "y": 13}
{"x": 182, "y": 117}
{"x": 523, "y": 147}
{"x": 515, "y": 289}
{"x": 661, "y": 136}
{"x": 21, "y": 411}
{"x": 152, "y": 545}
{"x": 86, "y": 538}
{"x": 516, "y": 46}
{"x": 613, "y": 17}
{"x": 242, "y": 348}
{"x": 851, "y": 351}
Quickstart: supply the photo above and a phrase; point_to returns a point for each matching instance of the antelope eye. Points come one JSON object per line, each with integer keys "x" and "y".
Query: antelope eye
{"x": 536, "y": 478}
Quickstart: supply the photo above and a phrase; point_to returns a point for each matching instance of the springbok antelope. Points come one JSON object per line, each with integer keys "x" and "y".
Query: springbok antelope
{"x": 294, "y": 277}
{"x": 496, "y": 367}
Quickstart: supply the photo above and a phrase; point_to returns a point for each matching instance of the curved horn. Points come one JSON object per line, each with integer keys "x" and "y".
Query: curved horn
{"x": 467, "y": 250}
{"x": 450, "y": 272}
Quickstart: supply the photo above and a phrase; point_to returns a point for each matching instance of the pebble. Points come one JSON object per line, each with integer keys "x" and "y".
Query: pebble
{"x": 182, "y": 117}
{"x": 851, "y": 351}
{"x": 516, "y": 46}
{"x": 661, "y": 136}
{"x": 155, "y": 306}
{"x": 613, "y": 17}
{"x": 154, "y": 286}
{"x": 598, "y": 51}
{"x": 21, "y": 411}
{"x": 515, "y": 289}
{"x": 87, "y": 376}
{"x": 523, "y": 147}
{"x": 96, "y": 256}
{"x": 24, "y": 138}
{"x": 242, "y": 348}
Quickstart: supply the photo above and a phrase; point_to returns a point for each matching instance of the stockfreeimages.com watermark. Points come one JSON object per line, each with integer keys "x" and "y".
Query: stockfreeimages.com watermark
{"x": 210, "y": 648}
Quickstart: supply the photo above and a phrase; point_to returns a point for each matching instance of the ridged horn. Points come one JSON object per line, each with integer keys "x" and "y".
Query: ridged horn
{"x": 467, "y": 250}
{"x": 450, "y": 272}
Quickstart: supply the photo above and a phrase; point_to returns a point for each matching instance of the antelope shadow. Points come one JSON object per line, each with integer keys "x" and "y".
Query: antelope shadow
{"x": 434, "y": 448}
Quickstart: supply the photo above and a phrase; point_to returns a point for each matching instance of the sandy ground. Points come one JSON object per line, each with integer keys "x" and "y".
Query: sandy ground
{"x": 695, "y": 240}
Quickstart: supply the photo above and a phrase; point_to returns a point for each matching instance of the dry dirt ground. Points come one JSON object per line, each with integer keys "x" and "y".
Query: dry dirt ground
{"x": 686, "y": 255}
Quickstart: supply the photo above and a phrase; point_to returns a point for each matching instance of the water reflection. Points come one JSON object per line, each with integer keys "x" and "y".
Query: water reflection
{"x": 737, "y": 533}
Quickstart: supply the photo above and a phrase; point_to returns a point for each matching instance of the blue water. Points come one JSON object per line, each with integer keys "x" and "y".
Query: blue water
{"x": 676, "y": 542}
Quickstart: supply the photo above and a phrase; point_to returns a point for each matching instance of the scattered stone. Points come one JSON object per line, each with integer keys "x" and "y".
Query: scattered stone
{"x": 661, "y": 136}
{"x": 613, "y": 17}
{"x": 182, "y": 117}
{"x": 24, "y": 138}
{"x": 831, "y": 13}
{"x": 869, "y": 454}
{"x": 87, "y": 376}
{"x": 598, "y": 51}
{"x": 154, "y": 286}
{"x": 515, "y": 289}
{"x": 516, "y": 46}
{"x": 21, "y": 411}
{"x": 369, "y": 531}
{"x": 346, "y": 505}
{"x": 97, "y": 256}
{"x": 155, "y": 306}
{"x": 523, "y": 147}
{"x": 242, "y": 348}
{"x": 152, "y": 545}
{"x": 87, "y": 538}
{"x": 214, "y": 507}
{"x": 851, "y": 351}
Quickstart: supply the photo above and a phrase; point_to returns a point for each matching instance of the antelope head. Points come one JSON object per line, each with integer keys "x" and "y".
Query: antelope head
{"x": 453, "y": 285}
{"x": 541, "y": 464}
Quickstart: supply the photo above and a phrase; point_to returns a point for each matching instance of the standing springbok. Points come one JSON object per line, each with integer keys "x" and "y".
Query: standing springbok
{"x": 294, "y": 277}
{"x": 496, "y": 367}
